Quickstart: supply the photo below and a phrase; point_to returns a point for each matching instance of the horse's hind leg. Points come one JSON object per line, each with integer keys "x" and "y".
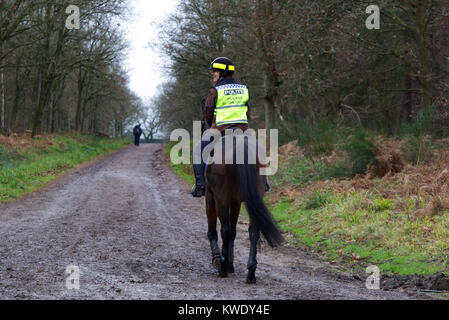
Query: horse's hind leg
{"x": 252, "y": 261}
{"x": 212, "y": 228}
{"x": 225, "y": 237}
{"x": 234, "y": 216}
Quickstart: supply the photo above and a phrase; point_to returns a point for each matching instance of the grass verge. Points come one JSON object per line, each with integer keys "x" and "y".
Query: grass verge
{"x": 360, "y": 229}
{"x": 27, "y": 165}
{"x": 184, "y": 171}
{"x": 358, "y": 222}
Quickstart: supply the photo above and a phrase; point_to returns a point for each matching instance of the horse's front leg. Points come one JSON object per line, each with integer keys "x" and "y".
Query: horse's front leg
{"x": 252, "y": 261}
{"x": 212, "y": 228}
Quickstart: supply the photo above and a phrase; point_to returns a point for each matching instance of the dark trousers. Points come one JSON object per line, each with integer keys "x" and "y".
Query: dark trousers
{"x": 199, "y": 147}
{"x": 136, "y": 140}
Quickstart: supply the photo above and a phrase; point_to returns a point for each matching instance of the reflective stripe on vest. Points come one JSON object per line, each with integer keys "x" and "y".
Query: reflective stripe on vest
{"x": 231, "y": 104}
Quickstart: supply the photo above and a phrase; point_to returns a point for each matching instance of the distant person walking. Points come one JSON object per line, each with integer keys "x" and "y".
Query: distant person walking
{"x": 137, "y": 131}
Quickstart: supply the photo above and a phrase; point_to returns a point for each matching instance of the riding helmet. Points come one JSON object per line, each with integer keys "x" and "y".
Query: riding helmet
{"x": 223, "y": 64}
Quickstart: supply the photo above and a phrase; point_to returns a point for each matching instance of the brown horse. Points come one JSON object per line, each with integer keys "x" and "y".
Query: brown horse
{"x": 227, "y": 186}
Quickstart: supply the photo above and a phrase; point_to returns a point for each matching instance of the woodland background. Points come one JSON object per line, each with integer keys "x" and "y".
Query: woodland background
{"x": 55, "y": 80}
{"x": 312, "y": 67}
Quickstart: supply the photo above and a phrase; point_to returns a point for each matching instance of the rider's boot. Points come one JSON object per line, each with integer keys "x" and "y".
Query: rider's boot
{"x": 200, "y": 185}
{"x": 267, "y": 186}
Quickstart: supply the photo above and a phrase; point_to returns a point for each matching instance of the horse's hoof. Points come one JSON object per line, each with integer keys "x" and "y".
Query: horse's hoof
{"x": 250, "y": 280}
{"x": 223, "y": 271}
{"x": 216, "y": 263}
{"x": 231, "y": 268}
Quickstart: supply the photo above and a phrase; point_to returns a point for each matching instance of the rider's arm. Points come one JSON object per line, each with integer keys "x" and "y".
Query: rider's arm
{"x": 248, "y": 113}
{"x": 209, "y": 106}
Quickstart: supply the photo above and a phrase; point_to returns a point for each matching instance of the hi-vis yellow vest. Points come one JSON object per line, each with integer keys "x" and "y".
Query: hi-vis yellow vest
{"x": 231, "y": 104}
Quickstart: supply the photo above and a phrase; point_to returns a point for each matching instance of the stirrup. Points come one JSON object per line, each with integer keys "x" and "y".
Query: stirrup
{"x": 198, "y": 191}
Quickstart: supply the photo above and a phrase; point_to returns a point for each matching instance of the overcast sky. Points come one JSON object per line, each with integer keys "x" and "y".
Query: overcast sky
{"x": 144, "y": 63}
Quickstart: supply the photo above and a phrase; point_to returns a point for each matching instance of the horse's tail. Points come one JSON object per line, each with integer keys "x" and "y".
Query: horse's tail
{"x": 247, "y": 178}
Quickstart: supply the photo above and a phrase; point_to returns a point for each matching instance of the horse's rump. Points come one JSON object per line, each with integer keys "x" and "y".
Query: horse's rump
{"x": 238, "y": 178}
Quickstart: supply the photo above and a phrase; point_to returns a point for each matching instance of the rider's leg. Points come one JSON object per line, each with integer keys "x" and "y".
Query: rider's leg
{"x": 199, "y": 165}
{"x": 198, "y": 169}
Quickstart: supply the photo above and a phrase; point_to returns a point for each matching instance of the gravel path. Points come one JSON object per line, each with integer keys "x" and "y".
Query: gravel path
{"x": 134, "y": 231}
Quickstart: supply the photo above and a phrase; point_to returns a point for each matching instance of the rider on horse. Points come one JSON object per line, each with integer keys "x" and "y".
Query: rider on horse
{"x": 230, "y": 184}
{"x": 226, "y": 107}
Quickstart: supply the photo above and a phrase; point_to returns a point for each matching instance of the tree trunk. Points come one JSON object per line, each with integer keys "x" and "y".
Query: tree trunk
{"x": 95, "y": 123}
{"x": 49, "y": 73}
{"x": 50, "y": 111}
{"x": 17, "y": 94}
{"x": 56, "y": 105}
{"x": 267, "y": 46}
{"x": 38, "y": 99}
{"x": 269, "y": 106}
{"x": 425, "y": 79}
{"x": 3, "y": 103}
{"x": 45, "y": 88}
{"x": 407, "y": 111}
{"x": 2, "y": 95}
{"x": 79, "y": 102}
{"x": 83, "y": 116}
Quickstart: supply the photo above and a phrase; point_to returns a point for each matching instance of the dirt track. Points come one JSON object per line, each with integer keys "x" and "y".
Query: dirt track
{"x": 130, "y": 225}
